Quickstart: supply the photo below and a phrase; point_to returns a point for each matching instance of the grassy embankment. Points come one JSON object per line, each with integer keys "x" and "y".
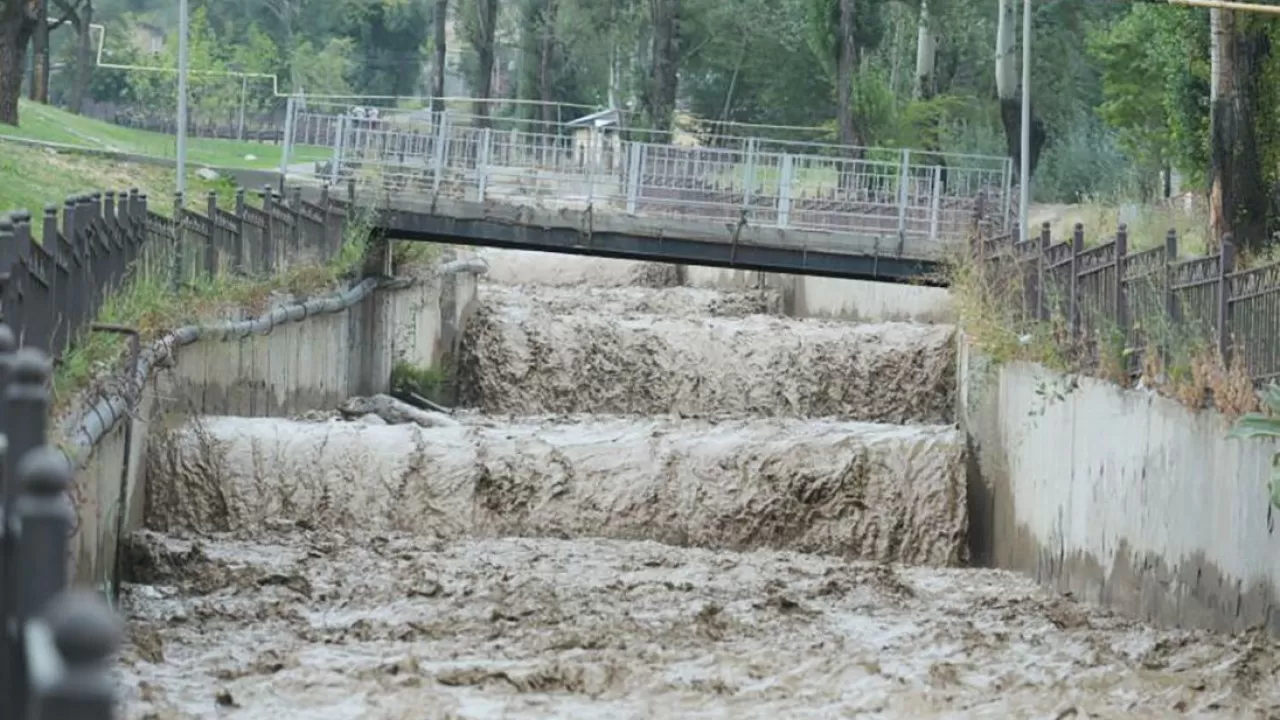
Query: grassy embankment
{"x": 49, "y": 124}
{"x": 31, "y": 177}
{"x": 1179, "y": 360}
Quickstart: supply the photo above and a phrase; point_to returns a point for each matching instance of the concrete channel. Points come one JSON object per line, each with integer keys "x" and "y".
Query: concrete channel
{"x": 664, "y": 494}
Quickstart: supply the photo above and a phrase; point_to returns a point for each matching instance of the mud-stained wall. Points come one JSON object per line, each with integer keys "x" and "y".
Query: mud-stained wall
{"x": 822, "y": 297}
{"x": 1120, "y": 497}
{"x": 311, "y": 364}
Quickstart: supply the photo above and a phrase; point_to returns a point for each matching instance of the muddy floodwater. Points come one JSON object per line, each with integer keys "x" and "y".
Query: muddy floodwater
{"x": 663, "y": 502}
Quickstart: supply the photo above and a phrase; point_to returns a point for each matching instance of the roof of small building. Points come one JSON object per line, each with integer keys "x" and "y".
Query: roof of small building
{"x": 603, "y": 118}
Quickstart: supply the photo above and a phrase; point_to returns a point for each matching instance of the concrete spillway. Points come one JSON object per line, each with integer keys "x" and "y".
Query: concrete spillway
{"x": 663, "y": 502}
{"x": 867, "y": 491}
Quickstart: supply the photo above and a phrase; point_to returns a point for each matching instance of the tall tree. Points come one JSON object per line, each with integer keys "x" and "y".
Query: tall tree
{"x": 1007, "y": 87}
{"x": 1240, "y": 192}
{"x": 664, "y": 63}
{"x": 482, "y": 31}
{"x": 80, "y": 14}
{"x": 846, "y": 58}
{"x": 440, "y": 29}
{"x": 17, "y": 22}
{"x": 38, "y": 88}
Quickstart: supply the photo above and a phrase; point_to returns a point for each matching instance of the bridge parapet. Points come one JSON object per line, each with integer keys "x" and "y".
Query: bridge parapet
{"x": 911, "y": 203}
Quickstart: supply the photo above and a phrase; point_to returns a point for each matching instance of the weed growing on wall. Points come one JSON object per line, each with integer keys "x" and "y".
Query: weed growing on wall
{"x": 1255, "y": 425}
{"x": 1179, "y": 358}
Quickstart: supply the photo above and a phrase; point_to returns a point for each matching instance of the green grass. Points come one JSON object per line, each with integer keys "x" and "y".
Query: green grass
{"x": 49, "y": 124}
{"x": 32, "y": 177}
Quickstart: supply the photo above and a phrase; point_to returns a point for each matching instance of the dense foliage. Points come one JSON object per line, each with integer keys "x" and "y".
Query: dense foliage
{"x": 1121, "y": 90}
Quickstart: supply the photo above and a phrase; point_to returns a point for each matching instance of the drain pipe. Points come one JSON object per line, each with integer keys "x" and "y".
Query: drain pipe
{"x": 135, "y": 350}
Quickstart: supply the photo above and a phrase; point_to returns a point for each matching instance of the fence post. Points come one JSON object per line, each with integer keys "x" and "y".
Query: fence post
{"x": 268, "y": 235}
{"x": 482, "y": 164}
{"x": 1042, "y": 299}
{"x": 903, "y": 197}
{"x": 25, "y": 416}
{"x": 935, "y": 204}
{"x": 1077, "y": 247}
{"x": 1118, "y": 304}
{"x": 749, "y": 174}
{"x": 86, "y": 634}
{"x": 7, "y": 345}
{"x": 45, "y": 518}
{"x": 11, "y": 272}
{"x": 239, "y": 244}
{"x": 786, "y": 178}
{"x": 338, "y": 140}
{"x": 1226, "y": 266}
{"x": 285, "y": 147}
{"x": 211, "y": 243}
{"x": 442, "y": 152}
{"x": 179, "y": 239}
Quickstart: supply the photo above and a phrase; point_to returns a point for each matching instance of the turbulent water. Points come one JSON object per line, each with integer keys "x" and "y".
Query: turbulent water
{"x": 666, "y": 503}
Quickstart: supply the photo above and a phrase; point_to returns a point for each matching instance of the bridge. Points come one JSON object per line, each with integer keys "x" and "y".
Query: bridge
{"x": 588, "y": 188}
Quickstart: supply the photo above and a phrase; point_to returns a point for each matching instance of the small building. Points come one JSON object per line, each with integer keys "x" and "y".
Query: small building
{"x": 596, "y": 141}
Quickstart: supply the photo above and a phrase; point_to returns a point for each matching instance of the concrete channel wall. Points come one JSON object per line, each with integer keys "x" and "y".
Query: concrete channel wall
{"x": 835, "y": 298}
{"x": 1121, "y": 497}
{"x": 310, "y": 363}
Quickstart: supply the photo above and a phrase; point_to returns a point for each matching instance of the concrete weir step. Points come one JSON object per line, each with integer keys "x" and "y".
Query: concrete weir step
{"x": 867, "y": 491}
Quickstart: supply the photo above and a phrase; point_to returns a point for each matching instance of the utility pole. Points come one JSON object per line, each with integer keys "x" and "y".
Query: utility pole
{"x": 244, "y": 92}
{"x": 1024, "y": 168}
{"x": 184, "y": 22}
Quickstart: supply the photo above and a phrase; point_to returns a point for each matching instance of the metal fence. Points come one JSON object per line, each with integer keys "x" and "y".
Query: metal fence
{"x": 915, "y": 201}
{"x": 1142, "y": 302}
{"x": 56, "y": 642}
{"x": 53, "y": 287}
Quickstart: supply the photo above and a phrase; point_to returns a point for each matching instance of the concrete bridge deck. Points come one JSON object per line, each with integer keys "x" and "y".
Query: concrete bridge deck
{"x": 755, "y": 204}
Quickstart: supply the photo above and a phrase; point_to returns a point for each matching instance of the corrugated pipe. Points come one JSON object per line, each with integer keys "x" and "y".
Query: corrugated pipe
{"x": 85, "y": 431}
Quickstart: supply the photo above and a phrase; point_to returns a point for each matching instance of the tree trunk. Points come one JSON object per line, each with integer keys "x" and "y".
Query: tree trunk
{"x": 663, "y": 77}
{"x": 441, "y": 21}
{"x": 1239, "y": 202}
{"x": 487, "y": 21}
{"x": 1007, "y": 90}
{"x": 39, "y": 86}
{"x": 16, "y": 25}
{"x": 84, "y": 57}
{"x": 846, "y": 59}
{"x": 926, "y": 55}
{"x": 546, "y": 58}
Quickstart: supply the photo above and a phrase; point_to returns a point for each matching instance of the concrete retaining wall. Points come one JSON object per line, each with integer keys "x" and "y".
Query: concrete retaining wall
{"x": 1120, "y": 497}
{"x": 313, "y": 363}
{"x": 822, "y": 297}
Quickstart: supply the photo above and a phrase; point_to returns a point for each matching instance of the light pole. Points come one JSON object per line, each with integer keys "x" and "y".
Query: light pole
{"x": 183, "y": 23}
{"x": 244, "y": 90}
{"x": 1024, "y": 168}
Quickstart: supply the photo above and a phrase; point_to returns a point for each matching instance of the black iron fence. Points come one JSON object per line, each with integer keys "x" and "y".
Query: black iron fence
{"x": 54, "y": 659}
{"x": 1142, "y": 302}
{"x": 53, "y": 286}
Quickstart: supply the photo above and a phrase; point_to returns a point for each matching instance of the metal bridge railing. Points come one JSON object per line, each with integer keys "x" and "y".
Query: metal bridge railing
{"x": 916, "y": 201}
{"x": 54, "y": 661}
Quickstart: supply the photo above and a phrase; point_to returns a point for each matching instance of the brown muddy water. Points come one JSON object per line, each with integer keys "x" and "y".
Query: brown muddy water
{"x": 664, "y": 503}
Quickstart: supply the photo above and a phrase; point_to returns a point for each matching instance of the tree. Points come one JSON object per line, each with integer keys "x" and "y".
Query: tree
{"x": 1007, "y": 88}
{"x": 17, "y": 22}
{"x": 80, "y": 14}
{"x": 481, "y": 24}
{"x": 664, "y": 63}
{"x": 440, "y": 18}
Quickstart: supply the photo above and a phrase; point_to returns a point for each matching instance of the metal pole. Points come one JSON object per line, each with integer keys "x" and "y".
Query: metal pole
{"x": 1024, "y": 171}
{"x": 244, "y": 91}
{"x": 1228, "y": 5}
{"x": 183, "y": 23}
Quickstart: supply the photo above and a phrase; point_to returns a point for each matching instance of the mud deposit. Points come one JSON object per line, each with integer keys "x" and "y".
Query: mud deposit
{"x": 318, "y": 625}
{"x": 875, "y": 492}
{"x": 504, "y": 563}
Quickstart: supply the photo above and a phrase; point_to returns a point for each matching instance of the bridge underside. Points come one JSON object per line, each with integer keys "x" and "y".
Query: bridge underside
{"x": 670, "y": 240}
